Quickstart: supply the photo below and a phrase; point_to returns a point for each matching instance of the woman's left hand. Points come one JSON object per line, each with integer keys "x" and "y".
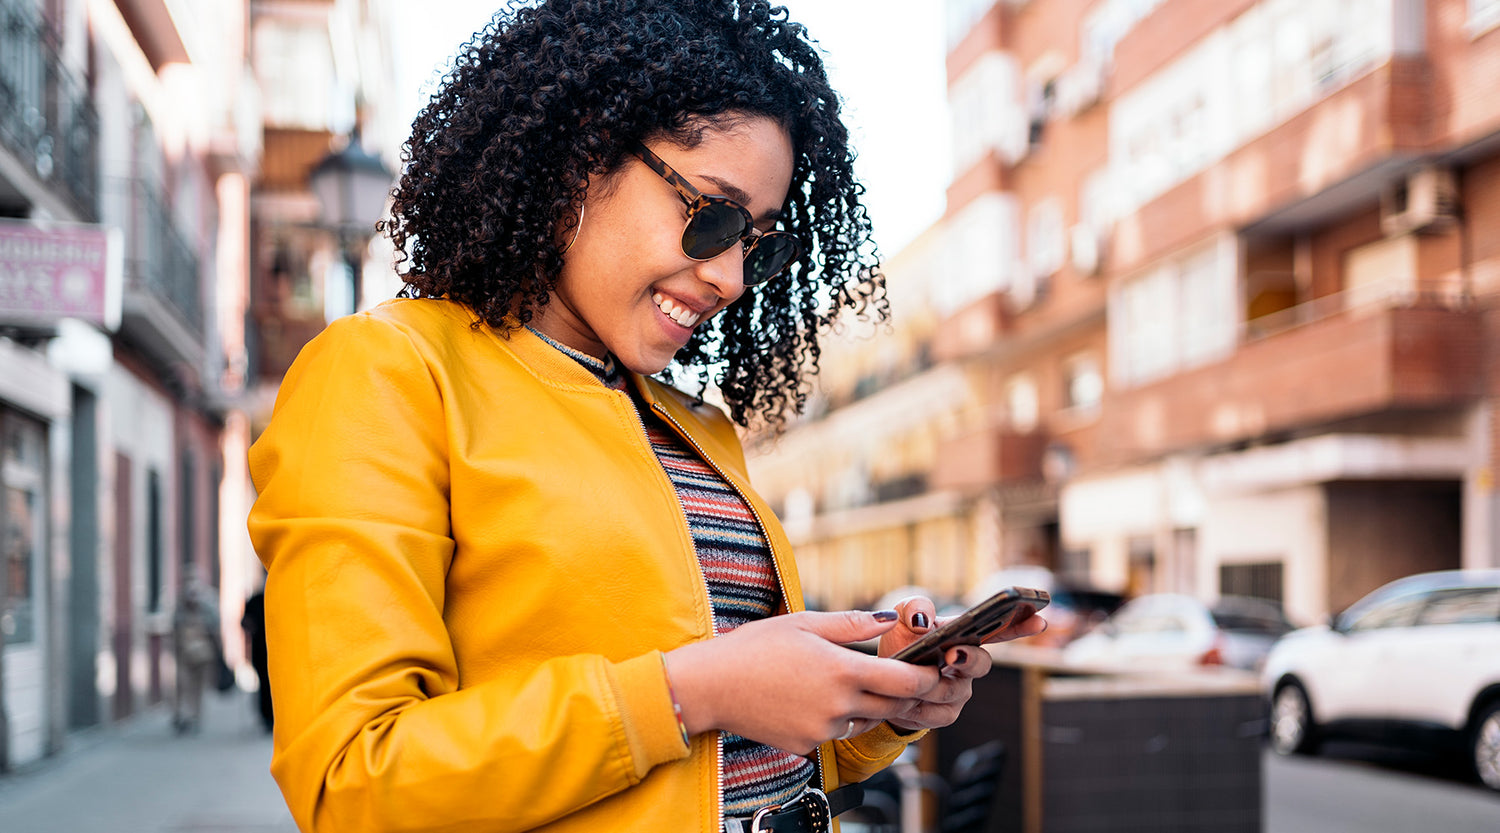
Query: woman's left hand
{"x": 940, "y": 705}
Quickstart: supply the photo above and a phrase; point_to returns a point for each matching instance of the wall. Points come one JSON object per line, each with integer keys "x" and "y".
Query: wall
{"x": 1284, "y": 525}
{"x": 1382, "y": 531}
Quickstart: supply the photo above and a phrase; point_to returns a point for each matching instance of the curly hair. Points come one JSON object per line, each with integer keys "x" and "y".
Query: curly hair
{"x": 549, "y": 95}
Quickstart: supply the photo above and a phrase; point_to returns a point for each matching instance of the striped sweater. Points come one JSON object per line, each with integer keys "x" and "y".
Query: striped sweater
{"x": 742, "y": 587}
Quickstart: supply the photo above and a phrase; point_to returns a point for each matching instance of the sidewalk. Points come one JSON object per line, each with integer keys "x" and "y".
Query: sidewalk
{"x": 143, "y": 778}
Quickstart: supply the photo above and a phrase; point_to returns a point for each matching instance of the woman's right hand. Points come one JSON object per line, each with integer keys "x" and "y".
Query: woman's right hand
{"x": 789, "y": 682}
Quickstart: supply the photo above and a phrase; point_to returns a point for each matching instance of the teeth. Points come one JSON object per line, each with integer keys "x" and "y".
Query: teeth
{"x": 672, "y": 310}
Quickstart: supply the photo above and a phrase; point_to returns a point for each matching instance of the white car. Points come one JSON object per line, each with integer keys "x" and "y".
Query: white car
{"x": 1417, "y": 659}
{"x": 1172, "y": 630}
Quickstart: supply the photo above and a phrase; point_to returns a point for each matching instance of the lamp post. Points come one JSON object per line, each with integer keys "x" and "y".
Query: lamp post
{"x": 351, "y": 186}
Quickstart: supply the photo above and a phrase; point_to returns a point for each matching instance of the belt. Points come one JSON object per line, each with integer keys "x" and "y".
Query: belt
{"x": 811, "y": 812}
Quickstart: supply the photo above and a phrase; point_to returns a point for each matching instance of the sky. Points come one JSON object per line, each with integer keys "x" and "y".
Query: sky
{"x": 884, "y": 56}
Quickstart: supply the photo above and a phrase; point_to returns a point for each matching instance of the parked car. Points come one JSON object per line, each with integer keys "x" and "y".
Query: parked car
{"x": 1172, "y": 630}
{"x": 1415, "y": 661}
{"x": 1074, "y": 610}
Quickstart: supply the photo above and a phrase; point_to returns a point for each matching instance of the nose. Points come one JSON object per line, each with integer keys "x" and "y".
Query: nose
{"x": 725, "y": 273}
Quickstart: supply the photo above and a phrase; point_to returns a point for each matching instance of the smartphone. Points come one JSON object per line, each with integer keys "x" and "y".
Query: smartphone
{"x": 1011, "y": 605}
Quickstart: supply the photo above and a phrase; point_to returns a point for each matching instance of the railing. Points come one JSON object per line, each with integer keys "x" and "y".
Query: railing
{"x": 46, "y": 118}
{"x": 157, "y": 258}
{"x": 1394, "y": 294}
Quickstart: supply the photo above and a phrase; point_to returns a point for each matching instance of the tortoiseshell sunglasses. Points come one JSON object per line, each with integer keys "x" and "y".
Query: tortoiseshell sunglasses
{"x": 715, "y": 222}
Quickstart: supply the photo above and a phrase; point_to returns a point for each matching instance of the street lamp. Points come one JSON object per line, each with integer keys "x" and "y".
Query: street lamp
{"x": 351, "y": 185}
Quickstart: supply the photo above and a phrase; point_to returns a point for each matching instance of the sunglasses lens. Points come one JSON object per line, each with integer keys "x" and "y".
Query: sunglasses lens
{"x": 711, "y": 231}
{"x": 770, "y": 255}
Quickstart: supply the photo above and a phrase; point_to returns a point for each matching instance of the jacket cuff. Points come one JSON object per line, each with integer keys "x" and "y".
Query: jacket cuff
{"x": 863, "y": 755}
{"x": 646, "y": 713}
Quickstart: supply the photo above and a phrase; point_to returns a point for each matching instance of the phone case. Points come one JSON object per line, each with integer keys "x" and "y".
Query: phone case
{"x": 999, "y": 611}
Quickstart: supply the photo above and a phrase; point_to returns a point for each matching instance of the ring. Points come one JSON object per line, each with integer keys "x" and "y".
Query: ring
{"x": 849, "y": 732}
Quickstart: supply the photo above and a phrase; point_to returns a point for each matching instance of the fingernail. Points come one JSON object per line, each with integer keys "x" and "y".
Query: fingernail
{"x": 886, "y": 615}
{"x": 963, "y": 656}
{"x": 919, "y": 621}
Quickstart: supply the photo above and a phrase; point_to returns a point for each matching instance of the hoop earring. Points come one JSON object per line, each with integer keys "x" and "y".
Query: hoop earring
{"x": 576, "y": 230}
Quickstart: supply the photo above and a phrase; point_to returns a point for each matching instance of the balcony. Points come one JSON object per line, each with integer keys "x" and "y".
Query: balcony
{"x": 47, "y": 124}
{"x": 988, "y": 458}
{"x": 163, "y": 298}
{"x": 1309, "y": 367}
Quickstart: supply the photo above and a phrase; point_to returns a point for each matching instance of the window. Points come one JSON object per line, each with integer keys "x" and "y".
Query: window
{"x": 1395, "y": 613}
{"x": 1179, "y": 315}
{"x": 1046, "y": 239}
{"x": 22, "y": 524}
{"x": 1083, "y": 383}
{"x": 1462, "y": 606}
{"x": 981, "y": 255}
{"x": 1257, "y": 71}
{"x": 986, "y": 112}
{"x": 1261, "y": 580}
{"x": 1022, "y": 405}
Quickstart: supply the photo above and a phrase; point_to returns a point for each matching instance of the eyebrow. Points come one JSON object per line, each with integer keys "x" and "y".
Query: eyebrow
{"x": 738, "y": 194}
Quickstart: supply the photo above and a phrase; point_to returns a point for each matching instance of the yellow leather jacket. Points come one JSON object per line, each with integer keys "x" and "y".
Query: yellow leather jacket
{"x": 475, "y": 561}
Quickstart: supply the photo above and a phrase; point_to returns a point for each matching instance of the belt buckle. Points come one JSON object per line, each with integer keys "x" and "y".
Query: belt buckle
{"x": 819, "y": 811}
{"x": 760, "y": 815}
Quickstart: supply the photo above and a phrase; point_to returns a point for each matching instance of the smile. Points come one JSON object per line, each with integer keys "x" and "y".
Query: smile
{"x": 671, "y": 309}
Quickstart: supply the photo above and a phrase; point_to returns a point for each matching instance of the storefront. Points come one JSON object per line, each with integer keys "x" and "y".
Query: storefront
{"x": 55, "y": 279}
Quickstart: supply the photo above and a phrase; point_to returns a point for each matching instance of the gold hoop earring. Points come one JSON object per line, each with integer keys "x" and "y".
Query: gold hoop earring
{"x": 576, "y": 230}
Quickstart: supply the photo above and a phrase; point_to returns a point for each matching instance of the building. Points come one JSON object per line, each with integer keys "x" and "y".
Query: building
{"x": 125, "y": 149}
{"x": 154, "y": 161}
{"x": 1224, "y": 281}
{"x": 327, "y": 84}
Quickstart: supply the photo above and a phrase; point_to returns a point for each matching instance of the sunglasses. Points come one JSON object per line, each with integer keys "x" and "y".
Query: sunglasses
{"x": 715, "y": 223}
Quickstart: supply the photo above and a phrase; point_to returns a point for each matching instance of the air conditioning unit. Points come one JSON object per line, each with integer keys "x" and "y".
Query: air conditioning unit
{"x": 1425, "y": 200}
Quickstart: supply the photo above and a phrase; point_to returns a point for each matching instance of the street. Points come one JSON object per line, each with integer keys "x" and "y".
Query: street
{"x": 1359, "y": 789}
{"x": 144, "y": 779}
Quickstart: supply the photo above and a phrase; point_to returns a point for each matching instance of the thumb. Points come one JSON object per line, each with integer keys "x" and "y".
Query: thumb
{"x": 847, "y": 626}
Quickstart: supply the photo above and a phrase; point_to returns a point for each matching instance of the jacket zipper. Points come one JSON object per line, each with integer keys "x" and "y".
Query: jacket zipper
{"x": 713, "y": 618}
{"x": 775, "y": 564}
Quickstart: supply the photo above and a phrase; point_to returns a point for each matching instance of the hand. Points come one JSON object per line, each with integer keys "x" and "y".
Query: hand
{"x": 963, "y": 664}
{"x": 788, "y": 681}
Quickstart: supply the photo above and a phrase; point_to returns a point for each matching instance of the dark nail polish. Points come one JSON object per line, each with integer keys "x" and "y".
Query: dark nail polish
{"x": 919, "y": 621}
{"x": 962, "y": 656}
{"x": 886, "y": 615}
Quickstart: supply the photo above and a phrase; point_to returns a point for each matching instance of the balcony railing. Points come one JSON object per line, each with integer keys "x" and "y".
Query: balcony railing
{"x": 1391, "y": 294}
{"x": 158, "y": 260}
{"x": 46, "y": 118}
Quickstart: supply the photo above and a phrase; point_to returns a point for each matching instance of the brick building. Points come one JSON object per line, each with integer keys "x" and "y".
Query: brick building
{"x": 124, "y": 157}
{"x": 137, "y": 138}
{"x": 1220, "y": 280}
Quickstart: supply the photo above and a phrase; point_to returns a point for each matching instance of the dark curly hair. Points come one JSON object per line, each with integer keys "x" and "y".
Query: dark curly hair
{"x": 551, "y": 94}
{"x": 554, "y": 93}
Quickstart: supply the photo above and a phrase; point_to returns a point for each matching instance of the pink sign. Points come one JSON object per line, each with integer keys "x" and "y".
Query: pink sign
{"x": 50, "y": 271}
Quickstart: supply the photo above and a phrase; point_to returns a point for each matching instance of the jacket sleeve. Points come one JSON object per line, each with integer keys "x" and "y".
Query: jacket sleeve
{"x": 864, "y": 755}
{"x": 373, "y": 731}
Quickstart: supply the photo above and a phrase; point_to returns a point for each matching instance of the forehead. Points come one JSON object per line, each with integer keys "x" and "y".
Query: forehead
{"x": 749, "y": 161}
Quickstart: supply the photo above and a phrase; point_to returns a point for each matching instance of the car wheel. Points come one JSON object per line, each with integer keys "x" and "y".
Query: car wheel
{"x": 1484, "y": 746}
{"x": 1292, "y": 727}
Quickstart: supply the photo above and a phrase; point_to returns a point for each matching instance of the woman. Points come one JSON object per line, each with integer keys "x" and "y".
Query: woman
{"x": 515, "y": 583}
